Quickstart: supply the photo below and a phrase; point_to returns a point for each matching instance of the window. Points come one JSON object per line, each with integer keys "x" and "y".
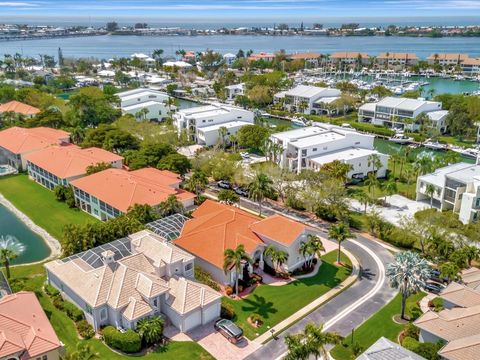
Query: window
{"x": 44, "y": 357}
{"x": 314, "y": 149}
{"x": 188, "y": 267}
{"x": 155, "y": 302}
{"x": 103, "y": 314}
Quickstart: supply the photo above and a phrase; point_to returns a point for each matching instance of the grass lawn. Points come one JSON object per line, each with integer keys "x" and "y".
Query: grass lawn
{"x": 32, "y": 277}
{"x": 40, "y": 205}
{"x": 378, "y": 325}
{"x": 275, "y": 303}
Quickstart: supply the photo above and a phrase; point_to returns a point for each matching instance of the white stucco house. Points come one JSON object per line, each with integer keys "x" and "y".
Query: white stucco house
{"x": 153, "y": 101}
{"x": 307, "y": 99}
{"x": 142, "y": 275}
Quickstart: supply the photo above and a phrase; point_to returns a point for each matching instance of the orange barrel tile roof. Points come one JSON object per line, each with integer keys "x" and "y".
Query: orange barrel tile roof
{"x": 19, "y": 108}
{"x": 25, "y": 327}
{"x": 348, "y": 55}
{"x": 70, "y": 160}
{"x": 121, "y": 188}
{"x": 21, "y": 140}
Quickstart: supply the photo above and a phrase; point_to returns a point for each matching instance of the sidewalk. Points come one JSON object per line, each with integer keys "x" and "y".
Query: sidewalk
{"x": 424, "y": 302}
{"x": 265, "y": 337}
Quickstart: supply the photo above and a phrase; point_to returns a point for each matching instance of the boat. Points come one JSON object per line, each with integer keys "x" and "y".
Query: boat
{"x": 298, "y": 122}
{"x": 470, "y": 153}
{"x": 400, "y": 138}
{"x": 435, "y": 145}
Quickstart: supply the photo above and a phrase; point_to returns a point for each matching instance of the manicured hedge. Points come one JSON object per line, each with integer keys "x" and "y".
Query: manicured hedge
{"x": 85, "y": 329}
{"x": 72, "y": 311}
{"x": 51, "y": 291}
{"x": 128, "y": 342}
{"x": 227, "y": 311}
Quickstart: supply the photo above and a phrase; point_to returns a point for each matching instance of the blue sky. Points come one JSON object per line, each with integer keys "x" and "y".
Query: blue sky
{"x": 240, "y": 9}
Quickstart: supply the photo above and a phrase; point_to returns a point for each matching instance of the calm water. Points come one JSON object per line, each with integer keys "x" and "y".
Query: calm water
{"x": 36, "y": 248}
{"x": 105, "y": 47}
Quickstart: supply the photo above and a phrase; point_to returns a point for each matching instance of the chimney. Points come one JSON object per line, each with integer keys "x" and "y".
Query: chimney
{"x": 108, "y": 257}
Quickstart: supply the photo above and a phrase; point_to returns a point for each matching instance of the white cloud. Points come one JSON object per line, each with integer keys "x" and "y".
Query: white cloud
{"x": 17, "y": 4}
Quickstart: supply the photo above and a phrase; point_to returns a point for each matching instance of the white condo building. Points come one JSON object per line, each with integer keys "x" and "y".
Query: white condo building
{"x": 456, "y": 187}
{"x": 314, "y": 146}
{"x": 202, "y": 123}
{"x": 134, "y": 101}
{"x": 307, "y": 99}
{"x": 400, "y": 113}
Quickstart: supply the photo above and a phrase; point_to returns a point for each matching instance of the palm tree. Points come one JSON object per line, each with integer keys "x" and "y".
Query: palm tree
{"x": 170, "y": 206}
{"x": 10, "y": 249}
{"x": 371, "y": 183}
{"x": 232, "y": 138}
{"x": 169, "y": 102}
{"x": 396, "y": 159}
{"x": 259, "y": 188}
{"x": 151, "y": 330}
{"x": 430, "y": 190}
{"x": 374, "y": 161}
{"x": 277, "y": 256}
{"x": 472, "y": 253}
{"x": 337, "y": 170}
{"x": 390, "y": 188}
{"x": 157, "y": 55}
{"x": 222, "y": 133}
{"x": 297, "y": 348}
{"x": 364, "y": 199}
{"x": 313, "y": 246}
{"x": 449, "y": 270}
{"x": 83, "y": 351}
{"x": 197, "y": 182}
{"x": 339, "y": 233}
{"x": 408, "y": 273}
{"x": 235, "y": 259}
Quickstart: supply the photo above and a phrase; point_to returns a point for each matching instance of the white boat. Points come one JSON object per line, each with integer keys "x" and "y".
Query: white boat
{"x": 435, "y": 145}
{"x": 470, "y": 153}
{"x": 298, "y": 122}
{"x": 400, "y": 138}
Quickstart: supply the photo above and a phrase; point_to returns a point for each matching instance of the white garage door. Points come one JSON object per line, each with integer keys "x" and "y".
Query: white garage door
{"x": 211, "y": 313}
{"x": 193, "y": 320}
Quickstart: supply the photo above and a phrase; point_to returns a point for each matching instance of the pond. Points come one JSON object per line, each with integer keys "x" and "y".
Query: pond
{"x": 35, "y": 247}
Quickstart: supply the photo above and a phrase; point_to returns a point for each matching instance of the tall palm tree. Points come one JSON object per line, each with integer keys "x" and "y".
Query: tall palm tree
{"x": 430, "y": 190}
{"x": 10, "y": 249}
{"x": 151, "y": 329}
{"x": 297, "y": 348}
{"x": 313, "y": 246}
{"x": 259, "y": 188}
{"x": 222, "y": 133}
{"x": 277, "y": 256}
{"x": 234, "y": 259}
{"x": 339, "y": 232}
{"x": 364, "y": 199}
{"x": 371, "y": 182}
{"x": 472, "y": 253}
{"x": 390, "y": 188}
{"x": 408, "y": 273}
{"x": 374, "y": 161}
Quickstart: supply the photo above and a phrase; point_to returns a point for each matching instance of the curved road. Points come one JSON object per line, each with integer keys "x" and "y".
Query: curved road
{"x": 350, "y": 308}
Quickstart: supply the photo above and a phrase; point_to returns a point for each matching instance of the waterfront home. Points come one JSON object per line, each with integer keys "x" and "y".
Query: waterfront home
{"x": 350, "y": 57}
{"x": 387, "y": 349}
{"x": 129, "y": 279}
{"x": 25, "y": 332}
{"x": 17, "y": 142}
{"x": 261, "y": 56}
{"x": 229, "y": 58}
{"x": 182, "y": 66}
{"x": 314, "y": 146}
{"x": 401, "y": 59}
{"x": 400, "y": 113}
{"x": 217, "y": 227}
{"x": 202, "y": 123}
{"x": 144, "y": 103}
{"x": 59, "y": 165}
{"x": 307, "y": 99}
{"x": 457, "y": 188}
{"x": 232, "y": 91}
{"x": 471, "y": 66}
{"x": 309, "y": 57}
{"x": 112, "y": 192}
{"x": 446, "y": 59}
{"x": 19, "y": 108}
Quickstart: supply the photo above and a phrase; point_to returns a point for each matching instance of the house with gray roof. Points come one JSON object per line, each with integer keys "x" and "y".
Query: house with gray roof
{"x": 308, "y": 99}
{"x": 384, "y": 349}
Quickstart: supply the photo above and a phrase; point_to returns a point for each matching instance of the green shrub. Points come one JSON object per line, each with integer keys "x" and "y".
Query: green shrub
{"x": 227, "y": 310}
{"x": 379, "y": 130}
{"x": 410, "y": 343}
{"x": 85, "y": 329}
{"x": 293, "y": 202}
{"x": 438, "y": 304}
{"x": 128, "y": 342}
{"x": 58, "y": 302}
{"x": 72, "y": 311}
{"x": 428, "y": 350}
{"x": 205, "y": 277}
{"x": 51, "y": 291}
{"x": 325, "y": 212}
{"x": 411, "y": 331}
{"x": 414, "y": 311}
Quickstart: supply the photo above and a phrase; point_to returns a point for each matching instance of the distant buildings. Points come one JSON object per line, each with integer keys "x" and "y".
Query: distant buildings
{"x": 392, "y": 58}
{"x": 455, "y": 187}
{"x": 25, "y": 332}
{"x": 216, "y": 227}
{"x": 350, "y": 57}
{"x": 17, "y": 142}
{"x": 59, "y": 165}
{"x": 446, "y": 59}
{"x": 110, "y": 193}
{"x": 229, "y": 58}
{"x": 261, "y": 56}
{"x": 202, "y": 123}
{"x": 314, "y": 146}
{"x": 129, "y": 279}
{"x": 144, "y": 104}
{"x": 19, "y": 108}
{"x": 400, "y": 113}
{"x": 307, "y": 99}
{"x": 232, "y": 91}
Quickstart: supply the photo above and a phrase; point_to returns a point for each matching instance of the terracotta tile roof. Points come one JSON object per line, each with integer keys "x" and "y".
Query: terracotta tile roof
{"x": 122, "y": 189}
{"x": 399, "y": 56}
{"x": 305, "y": 55}
{"x": 451, "y": 324}
{"x": 70, "y": 160}
{"x": 279, "y": 229}
{"x": 22, "y": 141}
{"x": 19, "y": 108}
{"x": 24, "y": 326}
{"x": 216, "y": 227}
{"x": 460, "y": 295}
{"x": 471, "y": 61}
{"x": 466, "y": 348}
{"x": 447, "y": 56}
{"x": 349, "y": 55}
{"x": 186, "y": 295}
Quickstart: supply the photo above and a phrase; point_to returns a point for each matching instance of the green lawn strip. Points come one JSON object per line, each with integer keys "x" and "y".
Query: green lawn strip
{"x": 378, "y": 325}
{"x": 276, "y": 303}
{"x": 32, "y": 277}
{"x": 40, "y": 205}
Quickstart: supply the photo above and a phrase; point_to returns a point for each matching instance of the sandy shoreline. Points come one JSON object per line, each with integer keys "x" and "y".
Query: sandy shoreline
{"x": 53, "y": 244}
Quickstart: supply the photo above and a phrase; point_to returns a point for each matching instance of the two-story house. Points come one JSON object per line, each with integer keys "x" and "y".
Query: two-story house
{"x": 307, "y": 99}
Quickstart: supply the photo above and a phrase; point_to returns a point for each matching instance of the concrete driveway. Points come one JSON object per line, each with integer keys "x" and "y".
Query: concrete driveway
{"x": 214, "y": 342}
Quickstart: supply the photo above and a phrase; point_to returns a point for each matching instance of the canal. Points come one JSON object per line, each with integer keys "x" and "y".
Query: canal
{"x": 35, "y": 247}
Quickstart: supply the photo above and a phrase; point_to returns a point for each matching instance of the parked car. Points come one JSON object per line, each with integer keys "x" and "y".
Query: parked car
{"x": 435, "y": 276}
{"x": 241, "y": 191}
{"x": 433, "y": 288}
{"x": 224, "y": 184}
{"x": 228, "y": 329}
